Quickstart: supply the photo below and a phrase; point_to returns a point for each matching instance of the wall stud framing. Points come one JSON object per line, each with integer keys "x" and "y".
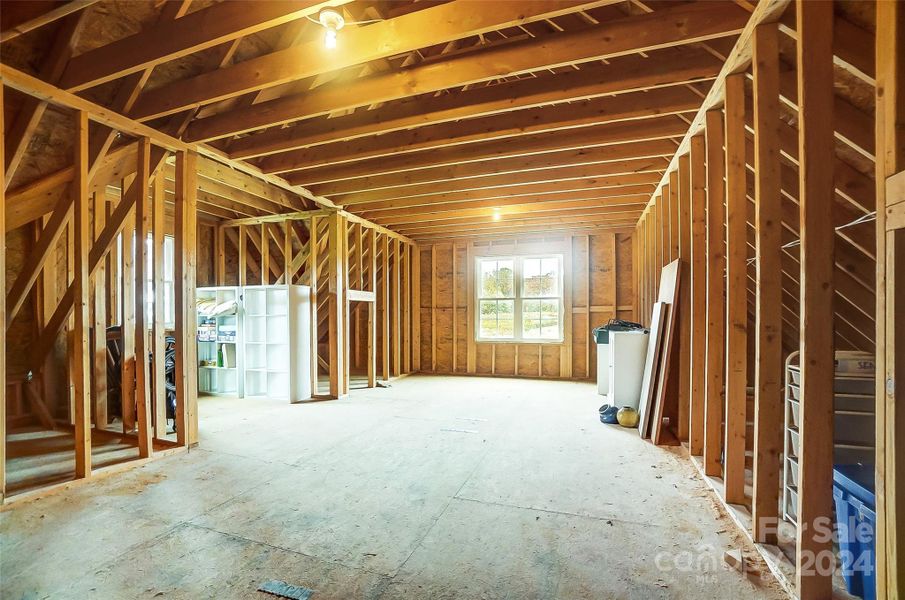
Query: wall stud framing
{"x": 816, "y": 150}
{"x": 716, "y": 265}
{"x": 736, "y": 291}
{"x": 768, "y": 399}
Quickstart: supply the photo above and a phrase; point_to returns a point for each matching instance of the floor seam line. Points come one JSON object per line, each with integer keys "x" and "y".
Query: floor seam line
{"x": 559, "y": 512}
{"x": 289, "y": 550}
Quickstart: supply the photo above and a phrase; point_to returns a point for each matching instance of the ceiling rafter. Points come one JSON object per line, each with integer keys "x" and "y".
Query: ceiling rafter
{"x": 364, "y": 44}
{"x": 681, "y": 25}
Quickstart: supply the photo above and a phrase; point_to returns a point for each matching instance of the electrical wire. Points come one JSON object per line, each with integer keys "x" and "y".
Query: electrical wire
{"x": 865, "y": 218}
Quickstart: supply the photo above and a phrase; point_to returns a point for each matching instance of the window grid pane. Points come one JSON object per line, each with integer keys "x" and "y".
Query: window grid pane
{"x": 522, "y": 291}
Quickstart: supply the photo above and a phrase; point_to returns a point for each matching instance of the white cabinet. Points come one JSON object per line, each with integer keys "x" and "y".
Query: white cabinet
{"x": 620, "y": 367}
{"x": 219, "y": 344}
{"x": 277, "y": 341}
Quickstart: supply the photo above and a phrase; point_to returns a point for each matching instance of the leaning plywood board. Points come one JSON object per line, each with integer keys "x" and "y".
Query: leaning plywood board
{"x": 669, "y": 287}
{"x": 649, "y": 380}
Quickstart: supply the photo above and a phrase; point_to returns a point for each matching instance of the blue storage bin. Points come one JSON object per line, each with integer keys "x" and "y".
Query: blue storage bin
{"x": 853, "y": 494}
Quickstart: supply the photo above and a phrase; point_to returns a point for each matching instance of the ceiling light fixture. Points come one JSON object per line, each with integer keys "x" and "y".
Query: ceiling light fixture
{"x": 332, "y": 21}
{"x": 496, "y": 214}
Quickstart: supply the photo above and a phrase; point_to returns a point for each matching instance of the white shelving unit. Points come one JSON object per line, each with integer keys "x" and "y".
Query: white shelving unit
{"x": 853, "y": 410}
{"x": 277, "y": 341}
{"x": 222, "y": 377}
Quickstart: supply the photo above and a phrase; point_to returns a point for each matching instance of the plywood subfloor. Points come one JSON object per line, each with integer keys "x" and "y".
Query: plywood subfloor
{"x": 437, "y": 487}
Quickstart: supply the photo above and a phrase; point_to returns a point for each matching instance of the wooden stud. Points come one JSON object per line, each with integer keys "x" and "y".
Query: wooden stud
{"x": 335, "y": 303}
{"x": 344, "y": 331}
{"x": 736, "y": 292}
{"x": 586, "y": 275}
{"x": 99, "y": 351}
{"x": 287, "y": 253}
{"x": 455, "y": 285}
{"x": 371, "y": 236}
{"x": 184, "y": 299}
{"x": 243, "y": 256}
{"x": 716, "y": 304}
{"x": 433, "y": 308}
{"x": 768, "y": 369}
{"x": 142, "y": 260}
{"x": 683, "y": 224}
{"x": 890, "y": 326}
{"x": 565, "y": 353}
{"x": 396, "y": 345}
{"x": 313, "y": 242}
{"x": 416, "y": 308}
{"x": 816, "y": 151}
{"x": 471, "y": 349}
{"x": 81, "y": 365}
{"x": 127, "y": 322}
{"x": 2, "y": 304}
{"x": 407, "y": 309}
{"x": 698, "y": 293}
{"x": 160, "y": 298}
{"x": 265, "y": 255}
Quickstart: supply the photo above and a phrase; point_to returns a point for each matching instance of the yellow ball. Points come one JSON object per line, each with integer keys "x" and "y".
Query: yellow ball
{"x": 627, "y": 416}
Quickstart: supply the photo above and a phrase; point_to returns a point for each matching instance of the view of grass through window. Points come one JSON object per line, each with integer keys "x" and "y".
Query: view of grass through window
{"x": 520, "y": 298}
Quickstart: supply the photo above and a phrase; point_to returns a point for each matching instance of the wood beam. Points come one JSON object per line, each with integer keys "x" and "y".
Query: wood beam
{"x": 635, "y": 169}
{"x": 336, "y": 228}
{"x": 170, "y": 40}
{"x": 434, "y": 25}
{"x": 698, "y": 262}
{"x": 40, "y": 19}
{"x": 768, "y": 368}
{"x": 669, "y": 27}
{"x": 142, "y": 262}
{"x": 38, "y": 255}
{"x": 616, "y": 195}
{"x": 521, "y": 231}
{"x": 80, "y": 363}
{"x": 184, "y": 293}
{"x": 609, "y": 134}
{"x": 28, "y": 117}
{"x": 716, "y": 303}
{"x": 736, "y": 292}
{"x": 816, "y": 151}
{"x": 159, "y": 314}
{"x": 438, "y": 214}
{"x": 637, "y": 157}
{"x": 630, "y": 183}
{"x": 625, "y": 107}
{"x": 890, "y": 305}
{"x": 589, "y": 215}
{"x": 623, "y": 75}
{"x": 2, "y": 304}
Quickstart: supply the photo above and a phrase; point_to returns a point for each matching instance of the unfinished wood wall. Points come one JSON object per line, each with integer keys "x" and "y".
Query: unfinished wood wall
{"x": 770, "y": 203}
{"x": 598, "y": 285}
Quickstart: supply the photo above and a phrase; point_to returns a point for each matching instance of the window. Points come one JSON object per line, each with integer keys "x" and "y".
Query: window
{"x": 519, "y": 298}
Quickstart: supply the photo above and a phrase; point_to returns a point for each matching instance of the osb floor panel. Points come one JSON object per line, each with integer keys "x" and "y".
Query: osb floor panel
{"x": 438, "y": 487}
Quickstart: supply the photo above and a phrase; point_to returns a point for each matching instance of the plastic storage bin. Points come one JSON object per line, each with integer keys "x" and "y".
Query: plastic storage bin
{"x": 853, "y": 494}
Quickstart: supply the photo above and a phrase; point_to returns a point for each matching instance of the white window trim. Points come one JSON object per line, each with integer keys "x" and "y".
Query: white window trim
{"x": 517, "y": 260}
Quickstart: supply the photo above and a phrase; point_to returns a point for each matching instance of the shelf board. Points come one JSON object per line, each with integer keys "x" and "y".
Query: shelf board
{"x": 217, "y": 368}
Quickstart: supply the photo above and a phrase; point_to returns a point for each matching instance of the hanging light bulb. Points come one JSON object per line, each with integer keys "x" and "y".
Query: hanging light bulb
{"x": 496, "y": 214}
{"x": 330, "y": 39}
{"x": 332, "y": 21}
